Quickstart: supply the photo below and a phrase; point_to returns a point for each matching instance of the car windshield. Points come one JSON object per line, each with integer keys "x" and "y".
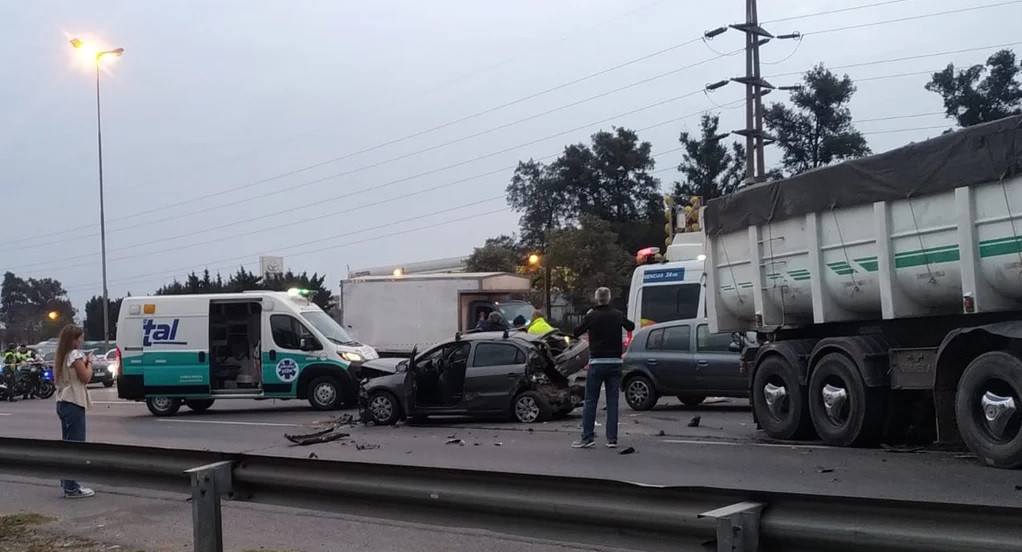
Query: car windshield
{"x": 511, "y": 311}
{"x": 329, "y": 327}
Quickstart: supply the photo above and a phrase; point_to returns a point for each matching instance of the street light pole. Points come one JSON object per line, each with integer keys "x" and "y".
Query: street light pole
{"x": 102, "y": 204}
{"x": 102, "y": 214}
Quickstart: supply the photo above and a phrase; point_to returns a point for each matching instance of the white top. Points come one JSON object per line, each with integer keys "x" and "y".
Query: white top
{"x": 71, "y": 389}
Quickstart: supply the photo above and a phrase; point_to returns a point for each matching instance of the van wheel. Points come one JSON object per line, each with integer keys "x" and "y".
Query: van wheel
{"x": 988, "y": 406}
{"x": 199, "y": 405}
{"x": 163, "y": 406}
{"x": 844, "y": 411}
{"x": 325, "y": 393}
{"x": 530, "y": 407}
{"x": 384, "y": 408}
{"x": 778, "y": 401}
{"x": 640, "y": 393}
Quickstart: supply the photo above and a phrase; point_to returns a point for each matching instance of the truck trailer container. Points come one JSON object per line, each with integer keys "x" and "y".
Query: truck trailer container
{"x": 885, "y": 291}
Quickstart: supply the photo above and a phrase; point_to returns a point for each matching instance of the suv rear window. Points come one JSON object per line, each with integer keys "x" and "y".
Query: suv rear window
{"x": 674, "y": 338}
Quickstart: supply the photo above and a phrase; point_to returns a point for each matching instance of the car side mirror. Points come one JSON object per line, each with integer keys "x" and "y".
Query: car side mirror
{"x": 734, "y": 347}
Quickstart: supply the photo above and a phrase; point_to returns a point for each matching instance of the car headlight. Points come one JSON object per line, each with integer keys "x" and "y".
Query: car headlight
{"x": 113, "y": 368}
{"x": 351, "y": 357}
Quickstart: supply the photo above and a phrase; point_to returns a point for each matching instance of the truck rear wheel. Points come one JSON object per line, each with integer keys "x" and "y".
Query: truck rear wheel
{"x": 779, "y": 401}
{"x": 844, "y": 411}
{"x": 988, "y": 406}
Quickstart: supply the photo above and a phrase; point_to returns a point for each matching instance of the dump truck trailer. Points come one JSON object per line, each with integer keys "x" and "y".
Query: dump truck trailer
{"x": 885, "y": 291}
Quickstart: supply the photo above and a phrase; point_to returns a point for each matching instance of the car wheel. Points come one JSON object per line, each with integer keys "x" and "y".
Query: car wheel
{"x": 844, "y": 411}
{"x": 691, "y": 400}
{"x": 108, "y": 383}
{"x": 163, "y": 406}
{"x": 640, "y": 393}
{"x": 201, "y": 405}
{"x": 384, "y": 408}
{"x": 530, "y": 407}
{"x": 325, "y": 393}
{"x": 988, "y": 406}
{"x": 779, "y": 401}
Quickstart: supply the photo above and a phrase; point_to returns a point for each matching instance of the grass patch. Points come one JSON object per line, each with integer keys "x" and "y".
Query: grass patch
{"x": 15, "y": 523}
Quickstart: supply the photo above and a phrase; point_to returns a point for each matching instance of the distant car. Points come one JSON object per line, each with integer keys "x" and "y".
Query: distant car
{"x": 103, "y": 371}
{"x": 682, "y": 359}
{"x": 521, "y": 375}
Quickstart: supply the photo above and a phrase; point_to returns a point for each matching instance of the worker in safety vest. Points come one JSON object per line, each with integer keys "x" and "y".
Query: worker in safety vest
{"x": 539, "y": 325}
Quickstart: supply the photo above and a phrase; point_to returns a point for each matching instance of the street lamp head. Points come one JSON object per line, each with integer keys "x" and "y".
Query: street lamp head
{"x": 77, "y": 43}
{"x": 534, "y": 259}
{"x": 53, "y": 315}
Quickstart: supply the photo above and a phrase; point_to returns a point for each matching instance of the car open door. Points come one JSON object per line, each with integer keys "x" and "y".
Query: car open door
{"x": 717, "y": 364}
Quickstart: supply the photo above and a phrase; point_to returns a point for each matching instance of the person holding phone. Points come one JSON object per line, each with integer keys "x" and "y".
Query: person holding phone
{"x": 72, "y": 372}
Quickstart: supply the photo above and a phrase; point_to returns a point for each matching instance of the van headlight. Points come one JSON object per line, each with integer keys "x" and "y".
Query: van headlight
{"x": 351, "y": 357}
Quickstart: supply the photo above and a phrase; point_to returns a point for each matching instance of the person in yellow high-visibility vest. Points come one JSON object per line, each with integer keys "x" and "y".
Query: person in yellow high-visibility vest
{"x": 539, "y": 325}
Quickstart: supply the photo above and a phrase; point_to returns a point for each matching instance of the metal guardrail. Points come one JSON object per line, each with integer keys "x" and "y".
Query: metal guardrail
{"x": 738, "y": 521}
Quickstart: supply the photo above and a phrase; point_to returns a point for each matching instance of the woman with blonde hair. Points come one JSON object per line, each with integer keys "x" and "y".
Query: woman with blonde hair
{"x": 72, "y": 370}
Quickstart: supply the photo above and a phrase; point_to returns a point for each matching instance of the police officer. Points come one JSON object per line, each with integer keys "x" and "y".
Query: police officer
{"x": 9, "y": 366}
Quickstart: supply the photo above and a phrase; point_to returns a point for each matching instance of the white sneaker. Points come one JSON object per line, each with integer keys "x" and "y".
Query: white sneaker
{"x": 80, "y": 493}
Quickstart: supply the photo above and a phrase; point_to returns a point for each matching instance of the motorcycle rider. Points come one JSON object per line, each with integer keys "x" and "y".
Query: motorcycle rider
{"x": 9, "y": 366}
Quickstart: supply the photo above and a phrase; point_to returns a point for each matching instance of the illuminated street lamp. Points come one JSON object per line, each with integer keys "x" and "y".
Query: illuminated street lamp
{"x": 98, "y": 56}
{"x": 53, "y": 315}
{"x": 535, "y": 259}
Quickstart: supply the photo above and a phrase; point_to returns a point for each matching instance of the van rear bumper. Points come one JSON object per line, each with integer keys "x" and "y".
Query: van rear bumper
{"x": 129, "y": 386}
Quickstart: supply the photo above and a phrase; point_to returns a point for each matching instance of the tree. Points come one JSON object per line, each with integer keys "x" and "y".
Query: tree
{"x": 243, "y": 280}
{"x": 318, "y": 293}
{"x": 500, "y": 254}
{"x": 93, "y": 322}
{"x": 586, "y": 258}
{"x": 708, "y": 168}
{"x": 817, "y": 130}
{"x": 610, "y": 179}
{"x": 970, "y": 98}
{"x": 25, "y": 306}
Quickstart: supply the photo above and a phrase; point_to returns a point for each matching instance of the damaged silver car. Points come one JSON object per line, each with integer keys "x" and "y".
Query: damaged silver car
{"x": 517, "y": 374}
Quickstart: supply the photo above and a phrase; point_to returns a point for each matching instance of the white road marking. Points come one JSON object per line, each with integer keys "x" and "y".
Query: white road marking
{"x": 224, "y": 422}
{"x": 131, "y": 403}
{"x": 6, "y": 413}
{"x": 740, "y": 443}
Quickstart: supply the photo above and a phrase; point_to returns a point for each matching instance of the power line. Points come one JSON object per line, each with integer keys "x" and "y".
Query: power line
{"x": 914, "y": 17}
{"x": 387, "y": 184}
{"x": 420, "y": 133}
{"x": 63, "y": 261}
{"x": 893, "y": 117}
{"x": 290, "y": 248}
{"x": 829, "y": 12}
{"x": 905, "y": 58}
{"x": 894, "y": 130}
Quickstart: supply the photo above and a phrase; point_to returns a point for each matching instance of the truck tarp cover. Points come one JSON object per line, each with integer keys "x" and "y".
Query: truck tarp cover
{"x": 983, "y": 153}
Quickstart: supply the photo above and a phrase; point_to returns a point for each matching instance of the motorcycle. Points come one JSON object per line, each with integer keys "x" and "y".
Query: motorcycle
{"x": 33, "y": 380}
{"x": 44, "y": 387}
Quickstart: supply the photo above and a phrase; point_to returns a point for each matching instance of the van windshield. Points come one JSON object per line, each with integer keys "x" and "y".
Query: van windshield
{"x": 329, "y": 327}
{"x": 514, "y": 310}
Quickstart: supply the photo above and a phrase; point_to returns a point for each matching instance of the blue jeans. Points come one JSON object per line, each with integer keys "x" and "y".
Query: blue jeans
{"x": 606, "y": 375}
{"x": 72, "y": 428}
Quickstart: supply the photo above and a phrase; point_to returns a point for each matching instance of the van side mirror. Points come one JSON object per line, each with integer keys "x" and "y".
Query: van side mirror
{"x": 734, "y": 347}
{"x": 309, "y": 344}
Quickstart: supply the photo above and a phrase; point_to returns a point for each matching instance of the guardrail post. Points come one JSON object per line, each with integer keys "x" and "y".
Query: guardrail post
{"x": 208, "y": 483}
{"x": 737, "y": 526}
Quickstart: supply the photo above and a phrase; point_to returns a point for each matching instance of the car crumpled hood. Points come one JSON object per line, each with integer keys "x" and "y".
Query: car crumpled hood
{"x": 388, "y": 365}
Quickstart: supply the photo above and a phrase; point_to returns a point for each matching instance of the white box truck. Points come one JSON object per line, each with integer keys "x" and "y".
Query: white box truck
{"x": 397, "y": 313}
{"x": 880, "y": 289}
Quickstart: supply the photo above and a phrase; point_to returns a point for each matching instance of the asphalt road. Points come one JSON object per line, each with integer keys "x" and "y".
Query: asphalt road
{"x": 725, "y": 450}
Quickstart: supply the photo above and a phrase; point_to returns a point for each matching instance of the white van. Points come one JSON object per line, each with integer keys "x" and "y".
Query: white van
{"x": 672, "y": 289}
{"x": 194, "y": 349}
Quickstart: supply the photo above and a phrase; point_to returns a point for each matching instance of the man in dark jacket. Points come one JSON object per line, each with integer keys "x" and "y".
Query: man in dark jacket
{"x": 493, "y": 323}
{"x": 603, "y": 323}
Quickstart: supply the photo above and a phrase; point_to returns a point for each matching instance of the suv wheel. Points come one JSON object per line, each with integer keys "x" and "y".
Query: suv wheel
{"x": 640, "y": 393}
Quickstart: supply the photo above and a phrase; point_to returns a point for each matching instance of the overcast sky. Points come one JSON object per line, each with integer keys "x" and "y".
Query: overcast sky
{"x": 236, "y": 129}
